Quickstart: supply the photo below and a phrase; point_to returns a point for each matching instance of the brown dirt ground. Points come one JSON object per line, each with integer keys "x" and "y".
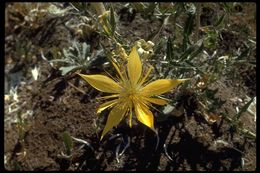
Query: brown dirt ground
{"x": 190, "y": 140}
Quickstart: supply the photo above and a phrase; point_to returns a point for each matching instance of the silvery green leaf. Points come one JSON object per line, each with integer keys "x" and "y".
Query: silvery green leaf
{"x": 252, "y": 108}
{"x": 190, "y": 8}
{"x": 60, "y": 60}
{"x": 85, "y": 50}
{"x": 13, "y": 93}
{"x": 65, "y": 53}
{"x": 76, "y": 45}
{"x": 53, "y": 9}
{"x": 65, "y": 70}
{"x": 168, "y": 109}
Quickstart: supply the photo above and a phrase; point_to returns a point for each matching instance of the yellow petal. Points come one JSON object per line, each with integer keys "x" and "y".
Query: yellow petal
{"x": 107, "y": 97}
{"x": 106, "y": 105}
{"x": 134, "y": 66}
{"x": 156, "y": 101}
{"x": 161, "y": 86}
{"x": 102, "y": 83}
{"x": 114, "y": 118}
{"x": 144, "y": 115}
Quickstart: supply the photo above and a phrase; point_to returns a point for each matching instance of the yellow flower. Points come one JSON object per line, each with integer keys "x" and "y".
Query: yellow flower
{"x": 130, "y": 93}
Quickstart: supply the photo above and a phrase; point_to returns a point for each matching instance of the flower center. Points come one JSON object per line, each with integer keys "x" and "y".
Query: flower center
{"x": 131, "y": 92}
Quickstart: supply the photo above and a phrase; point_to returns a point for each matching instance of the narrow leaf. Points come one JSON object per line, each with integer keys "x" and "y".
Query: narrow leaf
{"x": 112, "y": 20}
{"x": 187, "y": 52}
{"x": 189, "y": 25}
{"x": 192, "y": 51}
{"x": 220, "y": 20}
{"x": 65, "y": 70}
{"x": 244, "y": 54}
{"x": 198, "y": 49}
{"x": 243, "y": 109}
{"x": 187, "y": 30}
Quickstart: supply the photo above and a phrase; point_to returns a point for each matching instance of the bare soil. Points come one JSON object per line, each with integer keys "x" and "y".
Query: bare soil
{"x": 190, "y": 140}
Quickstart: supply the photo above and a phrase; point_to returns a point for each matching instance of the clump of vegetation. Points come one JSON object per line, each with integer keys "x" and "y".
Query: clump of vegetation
{"x": 135, "y": 52}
